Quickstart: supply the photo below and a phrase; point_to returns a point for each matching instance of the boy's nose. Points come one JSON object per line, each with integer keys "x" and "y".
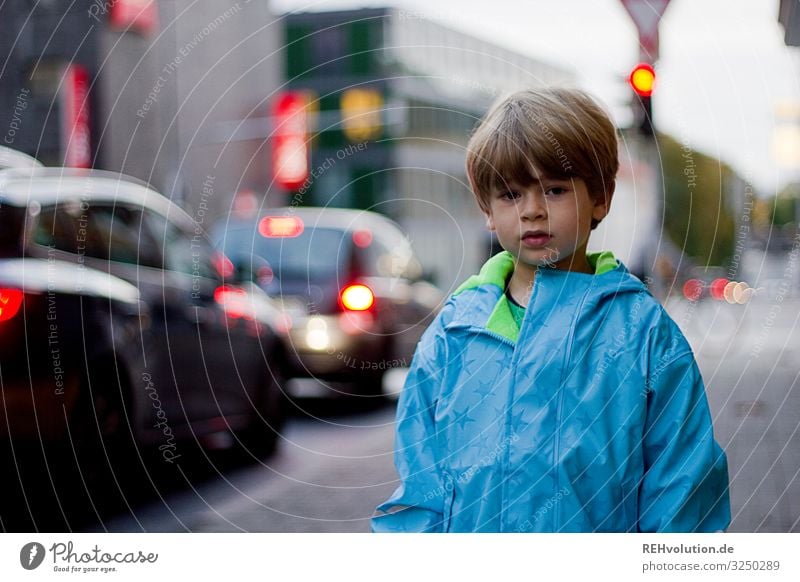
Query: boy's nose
{"x": 535, "y": 206}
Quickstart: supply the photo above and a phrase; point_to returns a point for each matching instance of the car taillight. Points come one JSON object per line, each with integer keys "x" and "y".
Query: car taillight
{"x": 717, "y": 288}
{"x": 362, "y": 238}
{"x": 280, "y": 226}
{"x": 10, "y": 302}
{"x": 693, "y": 289}
{"x": 222, "y": 265}
{"x": 233, "y": 301}
{"x": 356, "y": 297}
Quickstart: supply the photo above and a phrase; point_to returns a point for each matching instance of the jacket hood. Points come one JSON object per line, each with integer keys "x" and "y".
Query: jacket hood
{"x": 481, "y": 299}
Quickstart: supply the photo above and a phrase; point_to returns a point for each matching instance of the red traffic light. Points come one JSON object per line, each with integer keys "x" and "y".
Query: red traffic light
{"x": 642, "y": 79}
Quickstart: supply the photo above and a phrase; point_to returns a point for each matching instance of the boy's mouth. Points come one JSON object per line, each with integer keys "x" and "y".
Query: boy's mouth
{"x": 535, "y": 238}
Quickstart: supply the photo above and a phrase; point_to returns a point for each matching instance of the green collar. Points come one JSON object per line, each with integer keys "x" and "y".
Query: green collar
{"x": 498, "y": 269}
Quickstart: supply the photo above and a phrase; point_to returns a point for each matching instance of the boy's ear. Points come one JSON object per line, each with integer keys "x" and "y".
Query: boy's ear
{"x": 603, "y": 205}
{"x": 489, "y": 220}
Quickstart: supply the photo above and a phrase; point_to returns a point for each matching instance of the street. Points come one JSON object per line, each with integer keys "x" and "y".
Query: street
{"x": 750, "y": 365}
{"x": 327, "y": 476}
{"x": 331, "y": 471}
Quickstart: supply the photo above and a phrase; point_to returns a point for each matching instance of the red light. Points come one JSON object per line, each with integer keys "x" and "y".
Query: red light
{"x": 10, "y": 302}
{"x": 280, "y": 226}
{"x": 76, "y": 136}
{"x": 362, "y": 238}
{"x": 693, "y": 289}
{"x": 642, "y": 79}
{"x": 357, "y": 297}
{"x": 233, "y": 301}
{"x": 289, "y": 143}
{"x": 265, "y": 275}
{"x": 717, "y": 288}
{"x": 141, "y": 15}
{"x": 222, "y": 264}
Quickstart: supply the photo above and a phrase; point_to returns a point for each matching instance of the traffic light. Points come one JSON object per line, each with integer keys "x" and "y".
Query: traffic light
{"x": 290, "y": 153}
{"x": 361, "y": 114}
{"x": 642, "y": 80}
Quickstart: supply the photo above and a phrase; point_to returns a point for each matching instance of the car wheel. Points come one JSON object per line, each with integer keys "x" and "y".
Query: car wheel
{"x": 100, "y": 438}
{"x": 370, "y": 383}
{"x": 269, "y": 417}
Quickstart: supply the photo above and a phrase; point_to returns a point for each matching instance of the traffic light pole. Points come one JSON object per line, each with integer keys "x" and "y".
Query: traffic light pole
{"x": 646, "y": 14}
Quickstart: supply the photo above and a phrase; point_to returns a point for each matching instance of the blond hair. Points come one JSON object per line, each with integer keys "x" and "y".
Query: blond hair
{"x": 561, "y": 133}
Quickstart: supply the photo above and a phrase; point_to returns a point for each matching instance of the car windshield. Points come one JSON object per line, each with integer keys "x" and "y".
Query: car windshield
{"x": 316, "y": 253}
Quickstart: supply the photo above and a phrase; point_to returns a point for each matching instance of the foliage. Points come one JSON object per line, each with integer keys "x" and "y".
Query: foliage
{"x": 782, "y": 206}
{"x": 698, "y": 190}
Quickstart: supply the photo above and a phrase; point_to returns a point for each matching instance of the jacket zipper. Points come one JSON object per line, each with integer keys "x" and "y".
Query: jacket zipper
{"x": 510, "y": 401}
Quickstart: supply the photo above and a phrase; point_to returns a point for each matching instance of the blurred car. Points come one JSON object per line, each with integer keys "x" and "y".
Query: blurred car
{"x": 117, "y": 328}
{"x": 10, "y": 158}
{"x": 349, "y": 282}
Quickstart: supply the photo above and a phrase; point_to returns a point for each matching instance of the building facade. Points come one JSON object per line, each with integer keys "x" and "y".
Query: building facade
{"x": 152, "y": 88}
{"x": 393, "y": 98}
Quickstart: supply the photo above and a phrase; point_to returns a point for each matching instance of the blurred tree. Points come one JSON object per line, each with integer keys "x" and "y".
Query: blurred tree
{"x": 762, "y": 213}
{"x": 782, "y": 207}
{"x": 698, "y": 191}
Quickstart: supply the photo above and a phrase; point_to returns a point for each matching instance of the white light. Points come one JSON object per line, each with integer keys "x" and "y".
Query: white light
{"x": 317, "y": 336}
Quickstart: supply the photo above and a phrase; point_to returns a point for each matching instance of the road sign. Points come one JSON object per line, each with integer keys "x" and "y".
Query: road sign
{"x": 646, "y": 14}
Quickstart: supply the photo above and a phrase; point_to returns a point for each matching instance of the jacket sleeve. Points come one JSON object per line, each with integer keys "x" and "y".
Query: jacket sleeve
{"x": 417, "y": 504}
{"x": 685, "y": 485}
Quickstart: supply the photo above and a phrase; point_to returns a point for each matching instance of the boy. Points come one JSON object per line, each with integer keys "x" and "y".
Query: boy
{"x": 552, "y": 393}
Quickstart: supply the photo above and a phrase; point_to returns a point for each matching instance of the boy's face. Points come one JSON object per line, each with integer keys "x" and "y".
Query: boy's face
{"x": 546, "y": 222}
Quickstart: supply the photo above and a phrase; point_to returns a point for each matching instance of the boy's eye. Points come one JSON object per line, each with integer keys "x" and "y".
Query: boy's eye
{"x": 510, "y": 195}
{"x": 555, "y": 191}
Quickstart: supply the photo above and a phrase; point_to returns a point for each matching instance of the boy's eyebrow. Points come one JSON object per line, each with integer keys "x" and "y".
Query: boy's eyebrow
{"x": 532, "y": 182}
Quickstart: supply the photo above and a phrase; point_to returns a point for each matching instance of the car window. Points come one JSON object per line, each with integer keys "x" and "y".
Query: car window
{"x": 66, "y": 227}
{"x": 391, "y": 255}
{"x": 12, "y": 218}
{"x": 121, "y": 238}
{"x": 316, "y": 253}
{"x": 374, "y": 258}
{"x": 182, "y": 253}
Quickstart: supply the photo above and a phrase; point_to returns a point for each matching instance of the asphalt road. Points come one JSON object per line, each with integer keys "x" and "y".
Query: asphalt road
{"x": 331, "y": 469}
{"x": 750, "y": 360}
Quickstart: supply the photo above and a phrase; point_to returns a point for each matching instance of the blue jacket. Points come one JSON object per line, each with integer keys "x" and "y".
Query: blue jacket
{"x": 590, "y": 417}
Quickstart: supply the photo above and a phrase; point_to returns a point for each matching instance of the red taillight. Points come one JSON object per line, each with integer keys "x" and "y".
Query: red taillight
{"x": 693, "y": 289}
{"x": 362, "y": 238}
{"x": 717, "y": 288}
{"x": 356, "y": 297}
{"x": 280, "y": 226}
{"x": 10, "y": 302}
{"x": 233, "y": 301}
{"x": 222, "y": 265}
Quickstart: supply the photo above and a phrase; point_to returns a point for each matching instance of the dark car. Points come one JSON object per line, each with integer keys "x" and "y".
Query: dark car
{"x": 349, "y": 281}
{"x": 118, "y": 330}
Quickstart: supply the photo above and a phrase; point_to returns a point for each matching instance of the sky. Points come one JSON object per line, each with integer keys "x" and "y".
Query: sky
{"x": 723, "y": 67}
